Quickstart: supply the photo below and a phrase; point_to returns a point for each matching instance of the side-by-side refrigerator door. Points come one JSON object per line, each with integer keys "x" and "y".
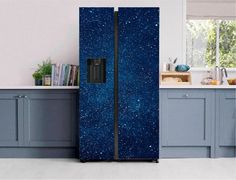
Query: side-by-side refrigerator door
{"x": 138, "y": 87}
{"x": 96, "y": 104}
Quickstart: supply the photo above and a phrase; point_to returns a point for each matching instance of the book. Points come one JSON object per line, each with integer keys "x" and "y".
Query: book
{"x": 73, "y": 75}
{"x": 62, "y": 74}
{"x": 59, "y": 74}
{"x": 52, "y": 75}
{"x": 68, "y": 76}
{"x": 56, "y": 75}
{"x": 78, "y": 75}
{"x": 65, "y": 75}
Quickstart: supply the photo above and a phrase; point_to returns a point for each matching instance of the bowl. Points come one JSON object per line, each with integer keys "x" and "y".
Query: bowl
{"x": 232, "y": 81}
{"x": 182, "y": 68}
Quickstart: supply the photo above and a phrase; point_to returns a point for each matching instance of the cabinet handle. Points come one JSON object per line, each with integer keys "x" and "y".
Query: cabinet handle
{"x": 18, "y": 97}
{"x": 21, "y": 96}
{"x": 186, "y": 95}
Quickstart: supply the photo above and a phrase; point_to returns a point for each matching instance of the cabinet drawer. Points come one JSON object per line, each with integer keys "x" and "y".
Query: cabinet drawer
{"x": 186, "y": 94}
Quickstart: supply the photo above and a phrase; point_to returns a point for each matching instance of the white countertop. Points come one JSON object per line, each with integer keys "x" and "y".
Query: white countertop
{"x": 198, "y": 86}
{"x": 161, "y": 87}
{"x": 38, "y": 87}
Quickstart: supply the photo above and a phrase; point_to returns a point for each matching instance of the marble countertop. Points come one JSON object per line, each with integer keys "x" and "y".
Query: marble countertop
{"x": 38, "y": 87}
{"x": 199, "y": 86}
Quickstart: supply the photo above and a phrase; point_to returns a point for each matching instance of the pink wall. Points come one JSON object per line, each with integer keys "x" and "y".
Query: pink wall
{"x": 31, "y": 31}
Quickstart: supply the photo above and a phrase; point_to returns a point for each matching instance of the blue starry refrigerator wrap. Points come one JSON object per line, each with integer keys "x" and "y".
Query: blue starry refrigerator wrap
{"x": 119, "y": 84}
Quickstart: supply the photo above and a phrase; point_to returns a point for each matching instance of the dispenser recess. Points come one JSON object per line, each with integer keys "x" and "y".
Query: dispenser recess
{"x": 96, "y": 70}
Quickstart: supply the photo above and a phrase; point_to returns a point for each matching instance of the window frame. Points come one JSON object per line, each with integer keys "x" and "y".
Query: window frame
{"x": 217, "y": 48}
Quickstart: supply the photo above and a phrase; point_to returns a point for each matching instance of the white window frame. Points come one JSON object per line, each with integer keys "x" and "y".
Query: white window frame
{"x": 217, "y": 50}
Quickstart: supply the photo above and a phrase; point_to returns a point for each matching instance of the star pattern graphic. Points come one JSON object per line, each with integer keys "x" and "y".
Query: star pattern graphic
{"x": 138, "y": 53}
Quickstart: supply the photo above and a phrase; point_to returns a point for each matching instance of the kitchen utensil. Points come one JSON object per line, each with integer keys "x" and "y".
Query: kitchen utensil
{"x": 175, "y": 60}
{"x": 218, "y": 74}
{"x": 168, "y": 67}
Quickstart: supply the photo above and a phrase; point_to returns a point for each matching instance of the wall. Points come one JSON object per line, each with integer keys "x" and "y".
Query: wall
{"x": 32, "y": 30}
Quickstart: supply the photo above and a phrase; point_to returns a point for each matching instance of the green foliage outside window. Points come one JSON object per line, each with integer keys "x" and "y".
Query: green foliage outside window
{"x": 201, "y": 43}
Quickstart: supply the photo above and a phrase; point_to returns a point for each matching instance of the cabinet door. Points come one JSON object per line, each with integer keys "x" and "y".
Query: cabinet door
{"x": 225, "y": 123}
{"x": 138, "y": 83}
{"x": 187, "y": 116}
{"x": 50, "y": 120}
{"x": 11, "y": 120}
{"x": 96, "y": 103}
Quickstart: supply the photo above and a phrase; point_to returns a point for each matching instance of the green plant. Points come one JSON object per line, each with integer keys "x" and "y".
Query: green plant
{"x": 37, "y": 75}
{"x": 44, "y": 69}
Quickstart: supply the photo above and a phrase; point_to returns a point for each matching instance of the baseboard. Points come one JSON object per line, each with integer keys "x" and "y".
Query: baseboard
{"x": 226, "y": 151}
{"x": 185, "y": 152}
{"x": 37, "y": 152}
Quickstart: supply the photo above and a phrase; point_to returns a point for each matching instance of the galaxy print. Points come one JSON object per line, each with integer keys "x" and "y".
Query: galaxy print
{"x": 96, "y": 100}
{"x": 138, "y": 83}
{"x": 138, "y": 53}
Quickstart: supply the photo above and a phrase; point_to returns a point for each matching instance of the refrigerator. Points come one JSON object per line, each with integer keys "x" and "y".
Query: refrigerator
{"x": 119, "y": 84}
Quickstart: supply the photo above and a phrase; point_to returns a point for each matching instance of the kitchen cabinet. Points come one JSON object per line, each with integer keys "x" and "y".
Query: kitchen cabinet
{"x": 49, "y": 120}
{"x": 197, "y": 122}
{"x": 37, "y": 123}
{"x": 186, "y": 123}
{"x": 225, "y": 123}
{"x": 11, "y": 120}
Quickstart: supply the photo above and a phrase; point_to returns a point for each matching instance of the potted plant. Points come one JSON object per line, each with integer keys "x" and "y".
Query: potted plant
{"x": 38, "y": 78}
{"x": 46, "y": 71}
{"x": 43, "y": 74}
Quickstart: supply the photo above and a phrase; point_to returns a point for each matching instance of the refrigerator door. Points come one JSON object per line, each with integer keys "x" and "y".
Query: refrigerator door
{"x": 96, "y": 104}
{"x": 138, "y": 71}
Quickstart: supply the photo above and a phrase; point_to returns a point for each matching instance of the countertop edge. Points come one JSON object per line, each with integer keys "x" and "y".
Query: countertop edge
{"x": 39, "y": 87}
{"x": 77, "y": 87}
{"x": 198, "y": 87}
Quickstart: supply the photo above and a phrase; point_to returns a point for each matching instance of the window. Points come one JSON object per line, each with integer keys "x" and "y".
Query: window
{"x": 211, "y": 43}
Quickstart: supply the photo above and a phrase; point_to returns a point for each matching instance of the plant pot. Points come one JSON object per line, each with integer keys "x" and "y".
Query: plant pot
{"x": 38, "y": 82}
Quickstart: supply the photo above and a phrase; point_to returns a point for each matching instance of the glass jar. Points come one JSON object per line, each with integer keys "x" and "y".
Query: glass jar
{"x": 47, "y": 80}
